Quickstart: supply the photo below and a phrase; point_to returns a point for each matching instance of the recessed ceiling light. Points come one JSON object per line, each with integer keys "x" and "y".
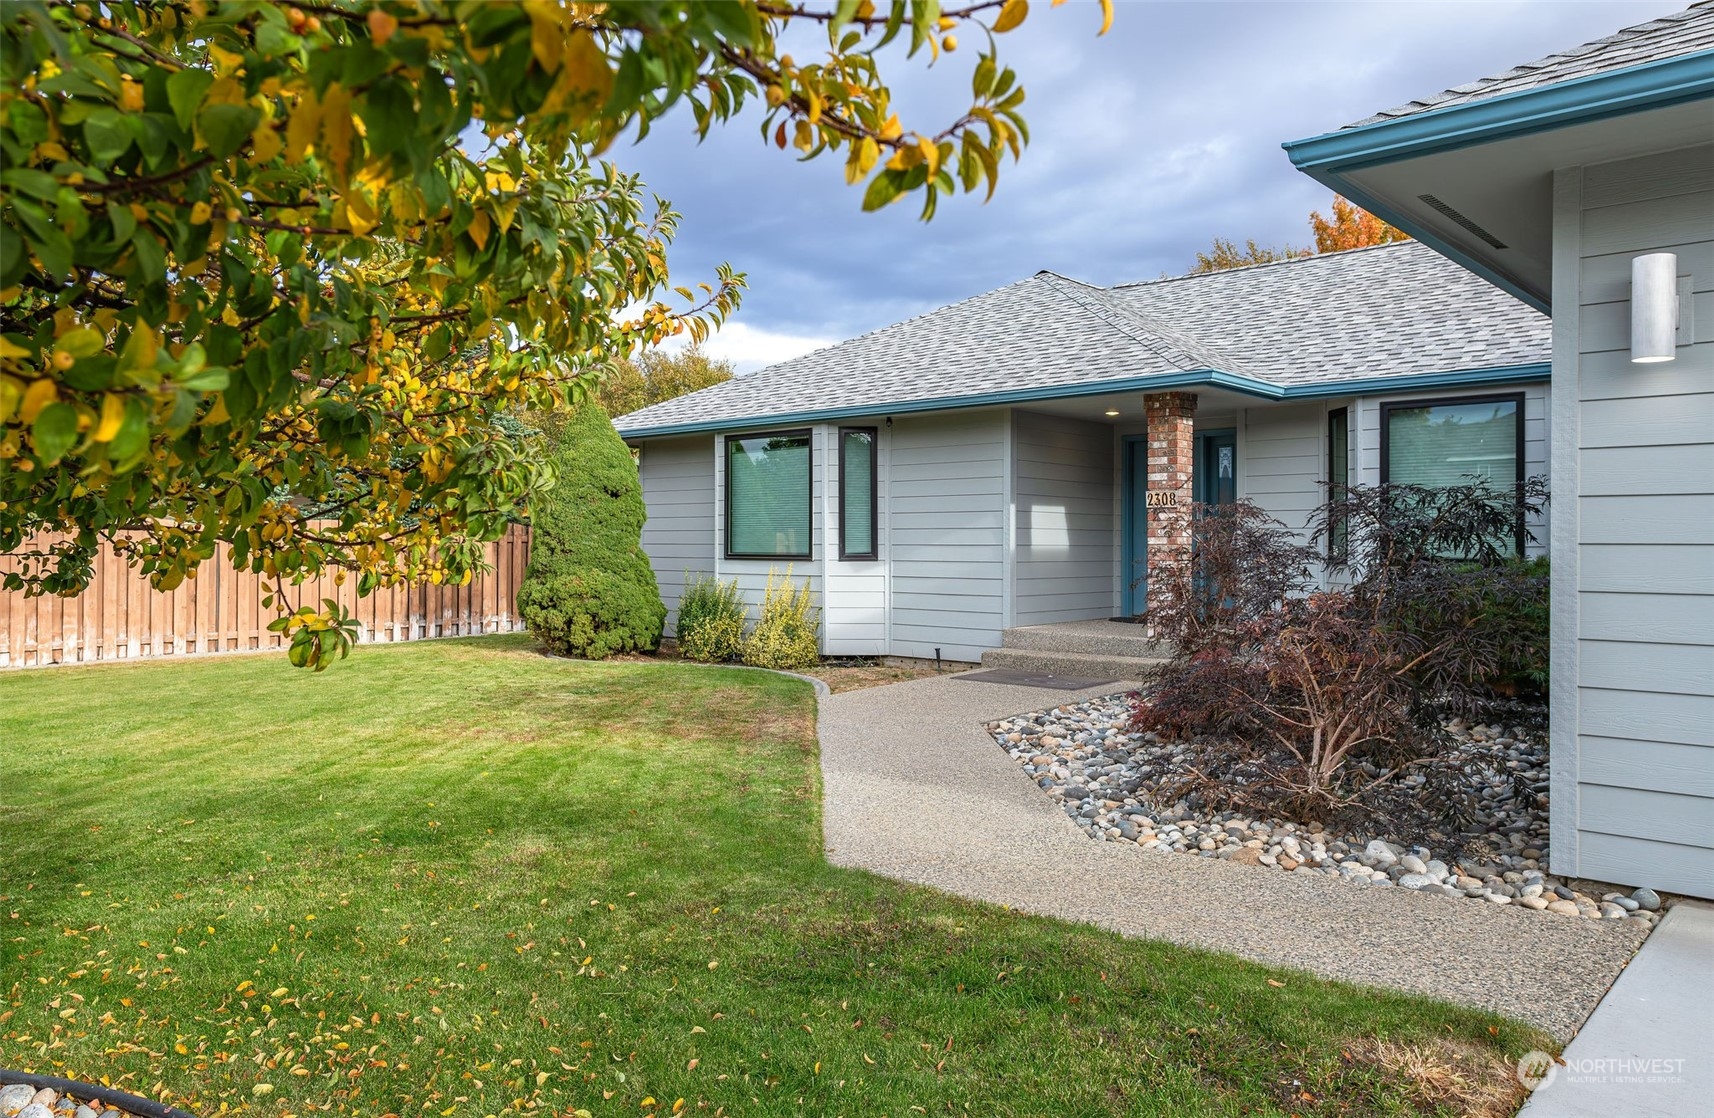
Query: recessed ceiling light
{"x": 1112, "y": 411}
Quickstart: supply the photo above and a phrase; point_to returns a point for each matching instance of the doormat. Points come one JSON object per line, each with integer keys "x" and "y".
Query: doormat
{"x": 1035, "y": 679}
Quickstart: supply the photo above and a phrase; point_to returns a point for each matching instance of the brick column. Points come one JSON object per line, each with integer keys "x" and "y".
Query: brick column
{"x": 1171, "y": 419}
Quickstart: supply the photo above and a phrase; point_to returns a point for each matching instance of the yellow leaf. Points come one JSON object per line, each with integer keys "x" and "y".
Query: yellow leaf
{"x": 545, "y": 33}
{"x": 12, "y": 349}
{"x": 225, "y": 91}
{"x": 1011, "y": 14}
{"x": 112, "y": 415}
{"x": 805, "y": 138}
{"x": 302, "y": 127}
{"x": 39, "y": 395}
{"x": 265, "y": 144}
{"x": 1106, "y": 16}
{"x": 478, "y": 229}
{"x": 336, "y": 130}
{"x": 892, "y": 130}
{"x": 200, "y": 213}
{"x": 225, "y": 62}
{"x": 359, "y": 213}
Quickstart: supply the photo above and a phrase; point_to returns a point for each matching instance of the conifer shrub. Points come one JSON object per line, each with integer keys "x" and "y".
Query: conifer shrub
{"x": 589, "y": 590}
{"x": 787, "y": 634}
{"x": 710, "y": 620}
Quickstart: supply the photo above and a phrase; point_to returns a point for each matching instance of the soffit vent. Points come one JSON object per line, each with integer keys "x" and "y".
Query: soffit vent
{"x": 1460, "y": 220}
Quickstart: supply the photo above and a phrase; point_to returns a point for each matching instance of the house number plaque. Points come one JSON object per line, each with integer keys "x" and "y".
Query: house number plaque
{"x": 1162, "y": 498}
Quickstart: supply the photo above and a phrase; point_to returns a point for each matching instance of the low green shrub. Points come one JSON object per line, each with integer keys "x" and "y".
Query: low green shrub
{"x": 710, "y": 620}
{"x": 787, "y": 634}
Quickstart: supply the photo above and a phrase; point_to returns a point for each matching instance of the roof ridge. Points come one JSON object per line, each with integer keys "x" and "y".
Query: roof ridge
{"x": 1307, "y": 259}
{"x": 1172, "y": 346}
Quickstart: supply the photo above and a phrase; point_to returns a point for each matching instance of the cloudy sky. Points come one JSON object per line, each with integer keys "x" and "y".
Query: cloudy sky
{"x": 1148, "y": 143}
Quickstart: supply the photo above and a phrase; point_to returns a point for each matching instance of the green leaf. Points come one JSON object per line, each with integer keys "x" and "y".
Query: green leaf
{"x": 225, "y": 127}
{"x": 151, "y": 258}
{"x": 107, "y": 135}
{"x": 38, "y": 183}
{"x": 185, "y": 91}
{"x": 54, "y": 432}
{"x": 883, "y": 189}
{"x": 208, "y": 380}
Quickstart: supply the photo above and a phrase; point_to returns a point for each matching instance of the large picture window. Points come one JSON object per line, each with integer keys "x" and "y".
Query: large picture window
{"x": 768, "y": 496}
{"x": 857, "y": 492}
{"x": 1441, "y": 443}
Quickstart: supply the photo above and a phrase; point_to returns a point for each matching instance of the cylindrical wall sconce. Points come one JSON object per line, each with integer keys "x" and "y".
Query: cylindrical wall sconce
{"x": 1654, "y": 308}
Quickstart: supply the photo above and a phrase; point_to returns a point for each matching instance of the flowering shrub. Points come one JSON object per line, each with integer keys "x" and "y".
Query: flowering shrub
{"x": 710, "y": 620}
{"x": 787, "y": 634}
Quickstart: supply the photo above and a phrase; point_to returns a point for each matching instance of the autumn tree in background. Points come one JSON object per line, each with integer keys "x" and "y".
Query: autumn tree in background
{"x": 1351, "y": 227}
{"x": 1226, "y": 254}
{"x": 276, "y": 276}
{"x": 655, "y": 375}
{"x": 1348, "y": 227}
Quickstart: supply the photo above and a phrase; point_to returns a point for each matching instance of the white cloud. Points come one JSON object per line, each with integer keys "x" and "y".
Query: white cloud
{"x": 750, "y": 347}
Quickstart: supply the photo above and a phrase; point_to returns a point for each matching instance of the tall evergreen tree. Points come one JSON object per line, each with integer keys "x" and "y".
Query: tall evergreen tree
{"x": 589, "y": 590}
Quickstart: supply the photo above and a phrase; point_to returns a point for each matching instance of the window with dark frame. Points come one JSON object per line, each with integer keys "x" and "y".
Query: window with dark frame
{"x": 857, "y": 493}
{"x": 768, "y": 496}
{"x": 1338, "y": 480}
{"x": 1455, "y": 441}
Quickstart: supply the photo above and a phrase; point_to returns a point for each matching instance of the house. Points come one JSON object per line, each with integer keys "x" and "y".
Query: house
{"x": 994, "y": 464}
{"x": 1009, "y": 460}
{"x": 1583, "y": 183}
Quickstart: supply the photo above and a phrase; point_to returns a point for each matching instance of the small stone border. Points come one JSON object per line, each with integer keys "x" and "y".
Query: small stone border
{"x": 1082, "y": 755}
{"x": 26, "y": 1095}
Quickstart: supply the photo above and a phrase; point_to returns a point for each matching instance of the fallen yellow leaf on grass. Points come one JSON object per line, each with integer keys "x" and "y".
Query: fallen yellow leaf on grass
{"x": 1271, "y": 982}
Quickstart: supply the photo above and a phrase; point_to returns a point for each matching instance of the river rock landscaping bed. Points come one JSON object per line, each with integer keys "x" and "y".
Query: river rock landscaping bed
{"x": 19, "y": 1100}
{"x": 1106, "y": 777}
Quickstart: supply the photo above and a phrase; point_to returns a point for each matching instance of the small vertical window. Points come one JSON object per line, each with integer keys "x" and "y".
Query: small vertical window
{"x": 1338, "y": 477}
{"x": 857, "y": 493}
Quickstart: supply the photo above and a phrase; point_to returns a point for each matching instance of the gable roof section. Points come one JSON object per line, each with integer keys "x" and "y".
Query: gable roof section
{"x": 1392, "y": 310}
{"x": 1671, "y": 36}
{"x": 1315, "y": 326}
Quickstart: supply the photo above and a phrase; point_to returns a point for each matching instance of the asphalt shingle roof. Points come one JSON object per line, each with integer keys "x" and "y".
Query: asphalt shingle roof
{"x": 1681, "y": 33}
{"x": 1392, "y": 310}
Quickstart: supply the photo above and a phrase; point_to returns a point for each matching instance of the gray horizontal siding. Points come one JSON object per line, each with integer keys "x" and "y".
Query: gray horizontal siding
{"x": 1633, "y": 625}
{"x": 946, "y": 533}
{"x": 1063, "y": 481}
{"x": 679, "y": 534}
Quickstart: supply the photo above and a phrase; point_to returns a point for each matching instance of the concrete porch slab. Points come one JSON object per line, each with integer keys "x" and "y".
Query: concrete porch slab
{"x": 1648, "y": 1049}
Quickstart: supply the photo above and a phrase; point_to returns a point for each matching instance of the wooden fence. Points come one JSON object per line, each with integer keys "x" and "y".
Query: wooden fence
{"x": 120, "y": 618}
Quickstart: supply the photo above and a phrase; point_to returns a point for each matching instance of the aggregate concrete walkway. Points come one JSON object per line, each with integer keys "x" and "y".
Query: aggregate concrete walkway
{"x": 916, "y": 790}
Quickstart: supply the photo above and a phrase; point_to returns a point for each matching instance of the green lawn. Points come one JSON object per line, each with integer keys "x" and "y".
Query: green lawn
{"x": 458, "y": 878}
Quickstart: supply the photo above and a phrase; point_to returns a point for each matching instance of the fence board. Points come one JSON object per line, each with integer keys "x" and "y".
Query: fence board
{"x": 120, "y": 617}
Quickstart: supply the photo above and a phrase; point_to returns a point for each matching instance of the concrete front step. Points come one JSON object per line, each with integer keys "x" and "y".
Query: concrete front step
{"x": 1094, "y": 638}
{"x": 1084, "y": 665}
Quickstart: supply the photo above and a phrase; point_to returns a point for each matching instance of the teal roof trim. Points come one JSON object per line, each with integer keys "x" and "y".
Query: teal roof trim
{"x": 1652, "y": 85}
{"x": 1165, "y": 382}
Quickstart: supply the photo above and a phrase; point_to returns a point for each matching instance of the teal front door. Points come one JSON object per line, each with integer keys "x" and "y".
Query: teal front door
{"x": 1216, "y": 480}
{"x": 1133, "y": 524}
